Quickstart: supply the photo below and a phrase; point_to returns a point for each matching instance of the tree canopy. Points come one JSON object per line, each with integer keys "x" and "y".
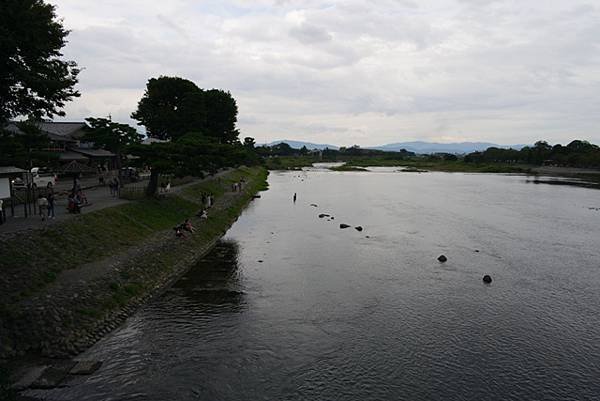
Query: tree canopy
{"x": 110, "y": 135}
{"x": 172, "y": 106}
{"x": 34, "y": 80}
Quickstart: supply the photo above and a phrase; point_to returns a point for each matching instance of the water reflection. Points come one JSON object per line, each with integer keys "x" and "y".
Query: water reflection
{"x": 215, "y": 281}
{"x": 573, "y": 182}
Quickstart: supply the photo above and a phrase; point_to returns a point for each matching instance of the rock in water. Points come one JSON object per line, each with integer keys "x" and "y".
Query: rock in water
{"x": 487, "y": 279}
{"x": 314, "y": 205}
{"x": 342, "y": 226}
{"x": 323, "y": 215}
{"x": 442, "y": 258}
{"x": 358, "y": 228}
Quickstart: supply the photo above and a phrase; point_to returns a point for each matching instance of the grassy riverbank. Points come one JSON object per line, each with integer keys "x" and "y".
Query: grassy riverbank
{"x": 61, "y": 287}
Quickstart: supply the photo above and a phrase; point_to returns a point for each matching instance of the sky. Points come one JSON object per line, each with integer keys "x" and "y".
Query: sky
{"x": 353, "y": 72}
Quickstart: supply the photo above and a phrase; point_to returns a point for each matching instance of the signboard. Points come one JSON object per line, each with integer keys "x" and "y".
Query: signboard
{"x": 4, "y": 188}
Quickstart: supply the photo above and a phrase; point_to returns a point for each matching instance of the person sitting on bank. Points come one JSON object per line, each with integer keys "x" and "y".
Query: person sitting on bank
{"x": 187, "y": 226}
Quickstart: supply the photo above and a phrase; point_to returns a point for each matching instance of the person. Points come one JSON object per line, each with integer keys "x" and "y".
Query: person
{"x": 43, "y": 205}
{"x": 294, "y": 197}
{"x": 179, "y": 232}
{"x": 187, "y": 226}
{"x": 101, "y": 179}
{"x": 50, "y": 199}
{"x": 204, "y": 215}
{"x": 168, "y": 187}
{"x": 74, "y": 204}
{"x": 116, "y": 185}
{"x": 111, "y": 187}
{"x": 1, "y": 211}
{"x": 83, "y": 199}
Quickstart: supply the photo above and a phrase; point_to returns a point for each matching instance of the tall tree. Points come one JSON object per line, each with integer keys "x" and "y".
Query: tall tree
{"x": 170, "y": 107}
{"x": 221, "y": 116}
{"x": 116, "y": 137}
{"x": 34, "y": 80}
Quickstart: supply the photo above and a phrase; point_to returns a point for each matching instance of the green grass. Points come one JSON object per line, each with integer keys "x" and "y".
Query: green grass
{"x": 347, "y": 168}
{"x": 439, "y": 165}
{"x": 39, "y": 257}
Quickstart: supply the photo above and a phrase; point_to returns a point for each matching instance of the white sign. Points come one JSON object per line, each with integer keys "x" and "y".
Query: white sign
{"x": 4, "y": 188}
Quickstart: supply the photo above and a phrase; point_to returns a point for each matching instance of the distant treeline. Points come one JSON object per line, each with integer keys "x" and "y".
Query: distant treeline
{"x": 283, "y": 149}
{"x": 576, "y": 154}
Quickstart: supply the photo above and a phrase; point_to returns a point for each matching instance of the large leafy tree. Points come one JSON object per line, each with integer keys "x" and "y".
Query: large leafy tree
{"x": 34, "y": 80}
{"x": 113, "y": 136}
{"x": 221, "y": 116}
{"x": 24, "y": 147}
{"x": 170, "y": 107}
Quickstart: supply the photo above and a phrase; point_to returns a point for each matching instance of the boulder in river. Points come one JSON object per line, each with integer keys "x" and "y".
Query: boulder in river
{"x": 323, "y": 215}
{"x": 314, "y": 205}
{"x": 442, "y": 258}
{"x": 358, "y": 228}
{"x": 487, "y": 279}
{"x": 342, "y": 226}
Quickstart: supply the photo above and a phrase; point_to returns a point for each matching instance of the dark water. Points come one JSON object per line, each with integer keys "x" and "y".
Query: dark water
{"x": 330, "y": 314}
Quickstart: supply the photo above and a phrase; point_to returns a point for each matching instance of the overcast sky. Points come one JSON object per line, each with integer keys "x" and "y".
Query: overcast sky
{"x": 353, "y": 72}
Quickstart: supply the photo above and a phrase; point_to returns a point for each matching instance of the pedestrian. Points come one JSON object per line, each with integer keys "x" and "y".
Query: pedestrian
{"x": 43, "y": 207}
{"x": 117, "y": 184}
{"x": 111, "y": 187}
{"x": 50, "y": 199}
{"x": 294, "y": 197}
{"x": 1, "y": 211}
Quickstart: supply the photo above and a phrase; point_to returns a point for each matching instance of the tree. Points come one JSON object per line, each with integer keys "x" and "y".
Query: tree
{"x": 249, "y": 142}
{"x": 24, "y": 147}
{"x": 170, "y": 107}
{"x": 34, "y": 80}
{"x": 116, "y": 137}
{"x": 221, "y": 116}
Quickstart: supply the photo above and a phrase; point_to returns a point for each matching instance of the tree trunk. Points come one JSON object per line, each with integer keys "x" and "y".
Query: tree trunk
{"x": 153, "y": 184}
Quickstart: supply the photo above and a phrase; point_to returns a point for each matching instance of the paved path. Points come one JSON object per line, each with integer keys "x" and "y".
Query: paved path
{"x": 98, "y": 198}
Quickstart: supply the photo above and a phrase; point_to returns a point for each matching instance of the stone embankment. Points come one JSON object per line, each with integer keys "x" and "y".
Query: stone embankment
{"x": 81, "y": 304}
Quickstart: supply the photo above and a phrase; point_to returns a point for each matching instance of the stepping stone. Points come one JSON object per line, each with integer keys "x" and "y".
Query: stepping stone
{"x": 85, "y": 367}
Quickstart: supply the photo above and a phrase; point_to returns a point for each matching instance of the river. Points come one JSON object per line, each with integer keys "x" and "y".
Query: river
{"x": 288, "y": 306}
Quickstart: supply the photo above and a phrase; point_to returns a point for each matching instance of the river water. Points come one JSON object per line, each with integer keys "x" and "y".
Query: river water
{"x": 290, "y": 307}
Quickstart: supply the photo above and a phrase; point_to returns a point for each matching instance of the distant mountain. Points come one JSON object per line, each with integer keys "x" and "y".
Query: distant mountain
{"x": 300, "y": 144}
{"x": 432, "y": 147}
{"x": 418, "y": 147}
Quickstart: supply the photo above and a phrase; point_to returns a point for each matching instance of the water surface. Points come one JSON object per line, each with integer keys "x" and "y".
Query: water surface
{"x": 290, "y": 307}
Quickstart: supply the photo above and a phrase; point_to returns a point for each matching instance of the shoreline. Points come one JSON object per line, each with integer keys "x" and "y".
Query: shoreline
{"x": 71, "y": 314}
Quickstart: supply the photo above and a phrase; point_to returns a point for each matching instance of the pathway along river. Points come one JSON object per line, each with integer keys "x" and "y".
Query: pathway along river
{"x": 290, "y": 307}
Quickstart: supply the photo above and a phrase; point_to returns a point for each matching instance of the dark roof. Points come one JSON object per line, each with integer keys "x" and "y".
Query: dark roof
{"x": 93, "y": 152}
{"x": 11, "y": 170}
{"x": 68, "y": 156}
{"x": 56, "y": 131}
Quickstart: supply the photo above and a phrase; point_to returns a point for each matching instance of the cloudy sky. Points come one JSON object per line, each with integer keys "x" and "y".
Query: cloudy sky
{"x": 353, "y": 72}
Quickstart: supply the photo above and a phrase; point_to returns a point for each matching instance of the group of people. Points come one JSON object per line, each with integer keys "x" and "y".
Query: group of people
{"x": 208, "y": 200}
{"x": 238, "y": 186}
{"x": 46, "y": 205}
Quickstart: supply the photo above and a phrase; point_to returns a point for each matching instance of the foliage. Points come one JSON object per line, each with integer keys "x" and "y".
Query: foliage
{"x": 110, "y": 135}
{"x": 34, "y": 80}
{"x": 172, "y": 106}
{"x": 24, "y": 148}
{"x": 576, "y": 154}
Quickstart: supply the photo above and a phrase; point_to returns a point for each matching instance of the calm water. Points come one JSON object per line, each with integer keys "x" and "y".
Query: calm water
{"x": 290, "y": 307}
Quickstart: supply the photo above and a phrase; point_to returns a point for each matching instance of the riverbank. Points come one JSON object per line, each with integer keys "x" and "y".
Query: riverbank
{"x": 62, "y": 288}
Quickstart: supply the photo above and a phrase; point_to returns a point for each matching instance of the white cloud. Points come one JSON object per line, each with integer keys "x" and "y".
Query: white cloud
{"x": 346, "y": 72}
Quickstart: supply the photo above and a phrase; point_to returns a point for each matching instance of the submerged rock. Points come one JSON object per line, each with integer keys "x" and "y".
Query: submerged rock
{"x": 323, "y": 215}
{"x": 487, "y": 279}
{"x": 358, "y": 228}
{"x": 342, "y": 226}
{"x": 314, "y": 205}
{"x": 442, "y": 258}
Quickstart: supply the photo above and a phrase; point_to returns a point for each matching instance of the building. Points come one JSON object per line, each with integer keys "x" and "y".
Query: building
{"x": 65, "y": 141}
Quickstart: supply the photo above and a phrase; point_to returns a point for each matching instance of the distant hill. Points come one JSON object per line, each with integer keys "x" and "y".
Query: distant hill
{"x": 300, "y": 144}
{"x": 418, "y": 147}
{"x": 432, "y": 147}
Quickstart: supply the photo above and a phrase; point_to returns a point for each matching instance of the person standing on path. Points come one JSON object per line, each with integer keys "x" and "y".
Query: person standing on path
{"x": 43, "y": 205}
{"x": 50, "y": 199}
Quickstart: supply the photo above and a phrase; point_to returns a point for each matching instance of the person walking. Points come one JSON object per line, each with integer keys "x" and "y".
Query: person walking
{"x": 43, "y": 206}
{"x": 116, "y": 185}
{"x": 50, "y": 199}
